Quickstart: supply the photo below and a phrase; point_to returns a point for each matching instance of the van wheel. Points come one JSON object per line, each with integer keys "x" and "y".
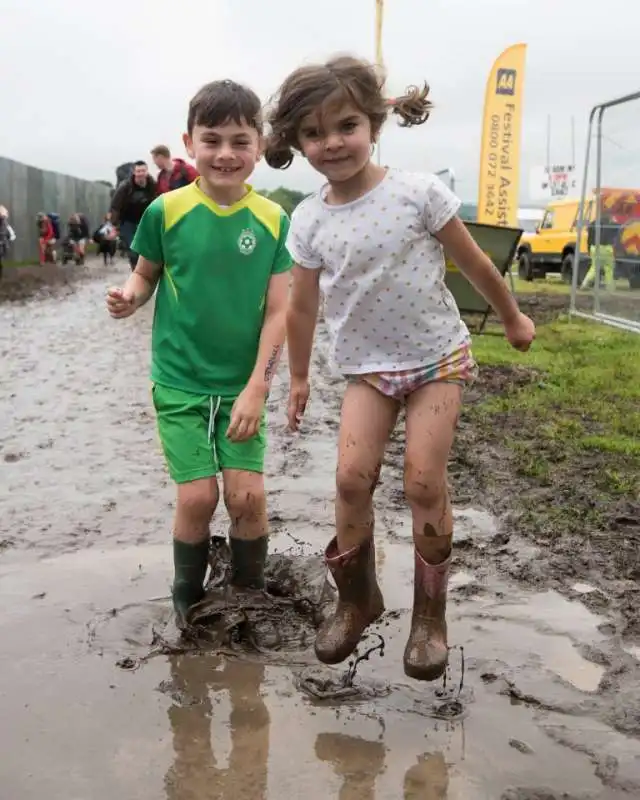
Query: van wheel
{"x": 567, "y": 268}
{"x": 525, "y": 269}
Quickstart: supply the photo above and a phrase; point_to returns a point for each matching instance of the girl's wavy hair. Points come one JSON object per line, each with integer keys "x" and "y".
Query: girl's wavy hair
{"x": 343, "y": 79}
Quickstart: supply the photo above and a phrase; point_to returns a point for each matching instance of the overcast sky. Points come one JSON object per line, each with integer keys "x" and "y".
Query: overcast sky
{"x": 87, "y": 85}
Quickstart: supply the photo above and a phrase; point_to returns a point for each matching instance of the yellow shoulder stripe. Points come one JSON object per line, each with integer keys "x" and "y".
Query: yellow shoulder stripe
{"x": 267, "y": 212}
{"x": 178, "y": 204}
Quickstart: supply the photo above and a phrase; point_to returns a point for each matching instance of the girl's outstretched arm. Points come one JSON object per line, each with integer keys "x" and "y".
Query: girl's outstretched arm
{"x": 461, "y": 247}
{"x": 301, "y": 319}
{"x": 301, "y": 323}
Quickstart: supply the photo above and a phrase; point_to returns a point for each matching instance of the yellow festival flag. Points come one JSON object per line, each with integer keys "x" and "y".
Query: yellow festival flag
{"x": 379, "y": 20}
{"x": 500, "y": 149}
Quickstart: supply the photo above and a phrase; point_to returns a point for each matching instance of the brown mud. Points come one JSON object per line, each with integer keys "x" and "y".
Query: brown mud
{"x": 550, "y": 706}
{"x": 22, "y": 283}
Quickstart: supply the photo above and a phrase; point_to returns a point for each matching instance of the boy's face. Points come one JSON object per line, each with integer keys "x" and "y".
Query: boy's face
{"x": 226, "y": 155}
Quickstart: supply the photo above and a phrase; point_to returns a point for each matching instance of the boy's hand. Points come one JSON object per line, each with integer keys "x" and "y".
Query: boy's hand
{"x": 298, "y": 399}
{"x": 520, "y": 332}
{"x": 246, "y": 415}
{"x": 121, "y": 303}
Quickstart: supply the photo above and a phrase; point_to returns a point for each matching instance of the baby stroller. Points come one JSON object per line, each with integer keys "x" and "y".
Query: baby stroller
{"x": 69, "y": 252}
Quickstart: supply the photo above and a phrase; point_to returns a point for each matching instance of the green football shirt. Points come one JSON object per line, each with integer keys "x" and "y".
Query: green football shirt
{"x": 217, "y": 263}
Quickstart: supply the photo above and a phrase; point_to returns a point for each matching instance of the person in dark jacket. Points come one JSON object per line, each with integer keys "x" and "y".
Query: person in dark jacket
{"x": 129, "y": 203}
{"x": 6, "y": 235}
{"x": 174, "y": 172}
{"x": 106, "y": 237}
{"x": 77, "y": 235}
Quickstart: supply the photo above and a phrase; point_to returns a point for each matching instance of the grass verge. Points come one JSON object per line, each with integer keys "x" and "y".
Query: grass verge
{"x": 567, "y": 416}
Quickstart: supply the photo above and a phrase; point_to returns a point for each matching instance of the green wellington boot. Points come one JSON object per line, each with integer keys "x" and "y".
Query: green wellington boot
{"x": 248, "y": 558}
{"x": 190, "y": 566}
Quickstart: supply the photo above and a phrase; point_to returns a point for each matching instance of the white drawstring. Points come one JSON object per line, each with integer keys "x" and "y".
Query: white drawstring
{"x": 212, "y": 419}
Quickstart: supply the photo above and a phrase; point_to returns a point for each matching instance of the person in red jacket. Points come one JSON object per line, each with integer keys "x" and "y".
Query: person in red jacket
{"x": 46, "y": 239}
{"x": 174, "y": 172}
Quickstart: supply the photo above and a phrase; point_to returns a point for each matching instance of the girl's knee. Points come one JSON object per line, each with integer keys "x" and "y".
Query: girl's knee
{"x": 425, "y": 489}
{"x": 355, "y": 485}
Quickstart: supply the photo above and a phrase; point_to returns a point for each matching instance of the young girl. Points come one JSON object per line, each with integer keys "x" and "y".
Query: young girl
{"x": 373, "y": 240}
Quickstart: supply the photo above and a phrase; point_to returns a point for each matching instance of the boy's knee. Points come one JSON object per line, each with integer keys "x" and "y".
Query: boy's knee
{"x": 245, "y": 503}
{"x": 198, "y": 500}
{"x": 356, "y": 486}
{"x": 425, "y": 489}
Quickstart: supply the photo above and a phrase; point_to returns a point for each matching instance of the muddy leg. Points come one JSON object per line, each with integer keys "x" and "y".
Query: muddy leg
{"x": 244, "y": 497}
{"x": 367, "y": 420}
{"x": 432, "y": 414}
{"x": 196, "y": 503}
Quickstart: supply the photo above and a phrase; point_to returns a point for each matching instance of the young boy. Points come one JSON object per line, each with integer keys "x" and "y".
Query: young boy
{"x": 216, "y": 251}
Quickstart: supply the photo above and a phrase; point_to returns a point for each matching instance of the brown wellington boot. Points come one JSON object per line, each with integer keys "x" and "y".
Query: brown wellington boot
{"x": 425, "y": 656}
{"x": 359, "y": 601}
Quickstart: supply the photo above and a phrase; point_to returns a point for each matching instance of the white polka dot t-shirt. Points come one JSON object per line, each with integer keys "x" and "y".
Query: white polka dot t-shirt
{"x": 385, "y": 301}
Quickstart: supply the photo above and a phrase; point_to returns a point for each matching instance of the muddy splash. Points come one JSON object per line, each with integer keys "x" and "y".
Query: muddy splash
{"x": 549, "y": 706}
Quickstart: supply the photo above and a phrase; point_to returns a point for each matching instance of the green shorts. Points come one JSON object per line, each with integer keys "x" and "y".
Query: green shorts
{"x": 192, "y": 429}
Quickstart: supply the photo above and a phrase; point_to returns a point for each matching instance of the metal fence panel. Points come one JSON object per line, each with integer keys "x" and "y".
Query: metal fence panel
{"x": 26, "y": 190}
{"x": 607, "y": 287}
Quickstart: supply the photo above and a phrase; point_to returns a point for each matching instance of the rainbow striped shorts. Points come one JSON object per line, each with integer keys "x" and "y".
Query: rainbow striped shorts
{"x": 459, "y": 367}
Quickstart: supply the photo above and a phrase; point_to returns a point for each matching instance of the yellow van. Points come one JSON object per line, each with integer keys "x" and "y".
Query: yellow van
{"x": 553, "y": 245}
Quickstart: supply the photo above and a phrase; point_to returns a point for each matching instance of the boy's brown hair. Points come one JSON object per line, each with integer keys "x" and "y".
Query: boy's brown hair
{"x": 221, "y": 101}
{"x": 343, "y": 79}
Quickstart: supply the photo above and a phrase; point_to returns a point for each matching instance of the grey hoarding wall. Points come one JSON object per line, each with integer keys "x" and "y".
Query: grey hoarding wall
{"x": 27, "y": 190}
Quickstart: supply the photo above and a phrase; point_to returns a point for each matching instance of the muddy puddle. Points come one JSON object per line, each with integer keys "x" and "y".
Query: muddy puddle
{"x": 549, "y": 708}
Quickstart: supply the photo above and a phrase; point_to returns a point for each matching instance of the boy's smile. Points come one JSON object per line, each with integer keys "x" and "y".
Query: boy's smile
{"x": 225, "y": 157}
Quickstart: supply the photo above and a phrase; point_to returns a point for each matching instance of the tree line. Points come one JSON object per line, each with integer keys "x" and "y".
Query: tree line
{"x": 287, "y": 198}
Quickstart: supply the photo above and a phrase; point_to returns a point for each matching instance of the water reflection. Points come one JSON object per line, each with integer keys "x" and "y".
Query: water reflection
{"x": 428, "y": 779}
{"x": 195, "y": 772}
{"x": 357, "y": 761}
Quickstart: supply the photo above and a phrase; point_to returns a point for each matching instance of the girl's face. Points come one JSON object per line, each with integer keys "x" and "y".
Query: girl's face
{"x": 337, "y": 142}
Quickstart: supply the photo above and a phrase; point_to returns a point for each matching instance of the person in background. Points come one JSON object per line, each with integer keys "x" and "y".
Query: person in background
{"x": 174, "y": 172}
{"x": 609, "y": 234}
{"x": 106, "y": 237}
{"x": 77, "y": 235}
{"x": 131, "y": 199}
{"x": 46, "y": 239}
{"x": 7, "y": 236}
{"x": 84, "y": 224}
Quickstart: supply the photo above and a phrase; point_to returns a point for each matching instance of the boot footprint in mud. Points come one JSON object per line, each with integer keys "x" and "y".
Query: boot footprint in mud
{"x": 322, "y": 683}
